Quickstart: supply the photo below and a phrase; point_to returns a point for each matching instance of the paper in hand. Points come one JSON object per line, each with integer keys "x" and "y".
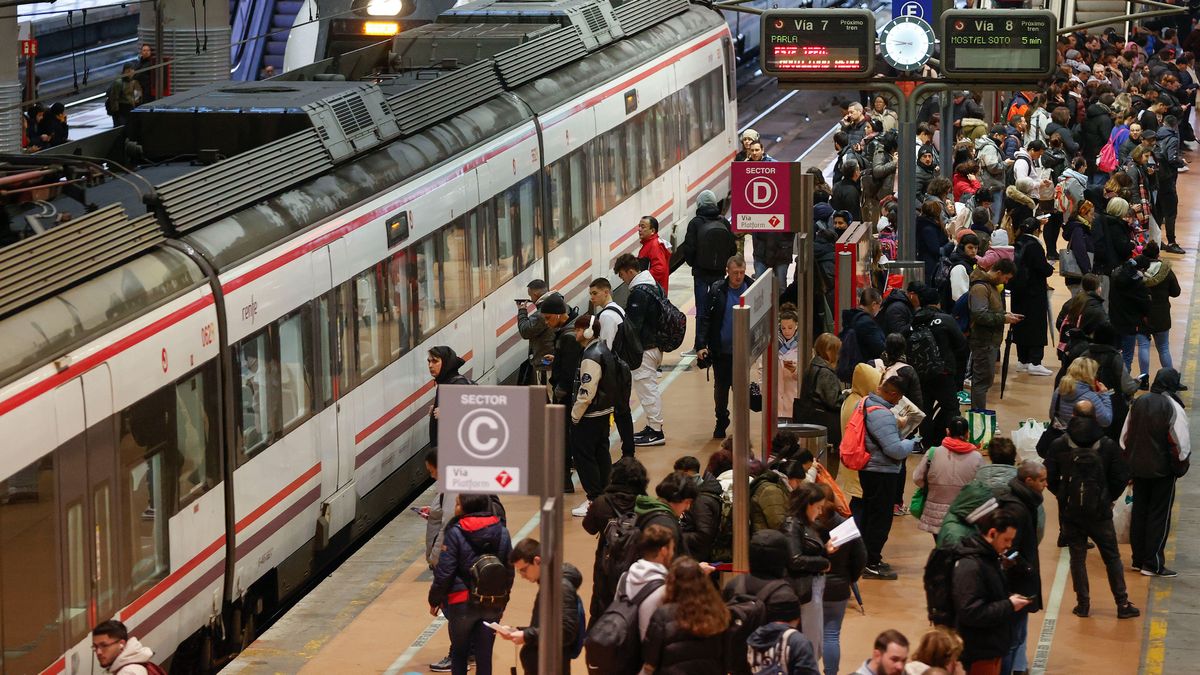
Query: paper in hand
{"x": 844, "y": 534}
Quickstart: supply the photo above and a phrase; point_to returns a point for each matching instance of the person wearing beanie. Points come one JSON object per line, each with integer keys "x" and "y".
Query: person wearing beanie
{"x": 708, "y": 244}
{"x": 748, "y": 137}
{"x": 767, "y": 580}
{"x": 779, "y": 642}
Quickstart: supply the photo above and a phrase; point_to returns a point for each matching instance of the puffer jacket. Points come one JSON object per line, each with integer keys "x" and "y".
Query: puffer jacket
{"x": 651, "y": 511}
{"x": 943, "y": 476}
{"x": 982, "y": 609}
{"x": 571, "y": 581}
{"x": 768, "y": 501}
{"x": 1155, "y": 437}
{"x": 1163, "y": 285}
{"x": 1024, "y": 576}
{"x": 671, "y": 650}
{"x": 467, "y": 538}
{"x": 991, "y": 164}
{"x": 954, "y": 527}
{"x": 701, "y": 522}
{"x": 867, "y": 332}
{"x": 846, "y": 565}
{"x": 896, "y": 314}
{"x": 987, "y": 311}
{"x": 888, "y": 450}
{"x": 1062, "y": 408}
{"x": 689, "y": 249}
{"x": 866, "y": 380}
{"x": 642, "y": 310}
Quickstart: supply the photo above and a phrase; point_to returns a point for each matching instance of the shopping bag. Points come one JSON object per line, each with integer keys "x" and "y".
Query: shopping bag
{"x": 1123, "y": 514}
{"x": 1026, "y": 438}
{"x": 982, "y": 427}
{"x": 916, "y": 505}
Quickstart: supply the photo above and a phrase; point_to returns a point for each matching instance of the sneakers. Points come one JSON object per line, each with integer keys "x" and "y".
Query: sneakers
{"x": 1161, "y": 572}
{"x": 1022, "y": 367}
{"x": 1174, "y": 248}
{"x": 1143, "y": 381}
{"x": 581, "y": 510}
{"x": 649, "y": 436}
{"x": 442, "y": 666}
{"x": 1039, "y": 369}
{"x": 964, "y": 397}
{"x": 1127, "y": 611}
{"x": 879, "y": 572}
{"x": 1082, "y": 610}
{"x": 900, "y": 510}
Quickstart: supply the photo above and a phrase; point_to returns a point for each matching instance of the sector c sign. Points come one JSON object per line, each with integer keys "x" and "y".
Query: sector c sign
{"x": 762, "y": 197}
{"x": 490, "y": 439}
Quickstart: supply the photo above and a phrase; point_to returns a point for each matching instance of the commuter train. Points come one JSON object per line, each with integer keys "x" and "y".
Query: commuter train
{"x": 197, "y": 429}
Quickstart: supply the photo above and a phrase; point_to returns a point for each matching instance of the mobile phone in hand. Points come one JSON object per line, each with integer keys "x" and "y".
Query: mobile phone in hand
{"x": 419, "y": 511}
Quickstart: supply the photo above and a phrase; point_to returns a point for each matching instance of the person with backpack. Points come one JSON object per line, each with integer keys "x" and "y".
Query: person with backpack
{"x": 1158, "y": 449}
{"x": 983, "y": 605}
{"x": 1028, "y": 290}
{"x": 627, "y": 482}
{"x": 1097, "y": 130}
{"x": 988, "y": 319}
{"x": 600, "y": 383}
{"x": 472, "y": 581}
{"x": 1086, "y": 473}
{"x": 707, "y": 245}
{"x": 768, "y": 498}
{"x": 615, "y": 636}
{"x": 862, "y": 338}
{"x": 526, "y": 560}
{"x": 1019, "y": 202}
{"x": 1110, "y": 372}
{"x": 887, "y": 452}
{"x": 931, "y": 238}
{"x": 644, "y": 311}
{"x": 756, "y": 597}
{"x": 623, "y": 343}
{"x": 808, "y": 557}
{"x": 896, "y": 312}
{"x": 675, "y": 495}
{"x": 702, "y": 522}
{"x": 944, "y": 471}
{"x": 778, "y": 647}
{"x": 865, "y": 380}
{"x": 686, "y": 635}
{"x": 1166, "y": 200}
{"x": 120, "y": 653}
{"x": 938, "y": 352}
{"x": 1024, "y": 502}
{"x": 444, "y": 365}
{"x": 714, "y": 335}
{"x": 123, "y": 95}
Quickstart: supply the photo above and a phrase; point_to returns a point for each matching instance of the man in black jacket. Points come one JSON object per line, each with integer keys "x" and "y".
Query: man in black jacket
{"x": 1024, "y": 575}
{"x": 1084, "y": 458}
{"x": 708, "y": 243}
{"x": 714, "y": 334}
{"x": 767, "y": 580}
{"x": 939, "y": 386}
{"x": 643, "y": 311}
{"x": 1158, "y": 450}
{"x": 702, "y": 521}
{"x": 1166, "y": 201}
{"x": 983, "y": 605}
{"x": 896, "y": 312}
{"x": 1129, "y": 300}
{"x": 600, "y": 382}
{"x": 526, "y": 559}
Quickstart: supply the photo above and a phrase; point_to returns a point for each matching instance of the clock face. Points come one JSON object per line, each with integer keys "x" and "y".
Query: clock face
{"x": 906, "y": 43}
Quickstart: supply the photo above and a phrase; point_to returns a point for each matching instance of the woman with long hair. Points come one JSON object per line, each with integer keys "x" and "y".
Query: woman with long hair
{"x": 846, "y": 565}
{"x": 1080, "y": 383}
{"x": 939, "y": 647}
{"x": 1080, "y": 243}
{"x": 1029, "y": 298}
{"x": 808, "y": 557}
{"x": 686, "y": 634}
{"x": 821, "y": 390}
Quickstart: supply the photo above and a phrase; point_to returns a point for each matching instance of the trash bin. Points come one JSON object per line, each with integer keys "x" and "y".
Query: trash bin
{"x": 811, "y": 437}
{"x": 908, "y": 270}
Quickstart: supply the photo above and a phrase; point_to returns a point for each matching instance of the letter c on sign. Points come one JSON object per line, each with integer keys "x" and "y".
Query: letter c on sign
{"x": 483, "y": 434}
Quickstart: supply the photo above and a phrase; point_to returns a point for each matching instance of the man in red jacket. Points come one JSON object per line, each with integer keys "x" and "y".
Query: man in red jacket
{"x": 655, "y": 251}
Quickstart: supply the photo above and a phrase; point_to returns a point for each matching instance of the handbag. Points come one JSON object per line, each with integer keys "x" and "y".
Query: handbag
{"x": 756, "y": 401}
{"x": 916, "y": 505}
{"x": 982, "y": 427}
{"x": 1068, "y": 266}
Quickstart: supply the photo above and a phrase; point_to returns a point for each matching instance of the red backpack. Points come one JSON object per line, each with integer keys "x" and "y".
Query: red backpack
{"x": 853, "y": 449}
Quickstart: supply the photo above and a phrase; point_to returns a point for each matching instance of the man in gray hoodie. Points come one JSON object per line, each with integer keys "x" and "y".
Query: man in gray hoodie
{"x": 656, "y": 549}
{"x": 888, "y": 454}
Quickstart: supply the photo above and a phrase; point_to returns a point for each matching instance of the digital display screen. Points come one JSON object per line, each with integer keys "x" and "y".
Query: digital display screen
{"x": 818, "y": 43}
{"x": 998, "y": 44}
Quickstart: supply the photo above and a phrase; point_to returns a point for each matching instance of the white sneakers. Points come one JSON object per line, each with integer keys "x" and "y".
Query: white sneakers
{"x": 1039, "y": 369}
{"x": 581, "y": 510}
{"x": 1022, "y": 367}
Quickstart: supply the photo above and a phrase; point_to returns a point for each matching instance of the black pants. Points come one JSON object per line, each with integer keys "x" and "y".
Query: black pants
{"x": 1151, "y": 520}
{"x": 879, "y": 493}
{"x": 722, "y": 383}
{"x": 1076, "y": 533}
{"x": 941, "y": 396}
{"x": 1167, "y": 205}
{"x": 624, "y": 422}
{"x": 589, "y": 449}
{"x": 1050, "y": 231}
{"x": 898, "y": 489}
{"x": 1031, "y": 354}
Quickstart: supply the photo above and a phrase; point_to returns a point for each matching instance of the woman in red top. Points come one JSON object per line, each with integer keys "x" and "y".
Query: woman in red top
{"x": 965, "y": 179}
{"x": 654, "y": 250}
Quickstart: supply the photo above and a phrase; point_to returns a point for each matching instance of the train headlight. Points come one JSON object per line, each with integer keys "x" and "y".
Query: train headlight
{"x": 384, "y": 7}
{"x": 380, "y": 28}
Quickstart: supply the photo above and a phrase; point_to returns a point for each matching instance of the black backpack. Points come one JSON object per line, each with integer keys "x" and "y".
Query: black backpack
{"x": 715, "y": 243}
{"x": 747, "y": 612}
{"x": 672, "y": 323}
{"x": 850, "y": 355}
{"x": 1085, "y": 494}
{"x": 620, "y": 544}
{"x": 924, "y": 354}
{"x": 939, "y": 582}
{"x": 489, "y": 581}
{"x": 613, "y": 642}
{"x": 626, "y": 344}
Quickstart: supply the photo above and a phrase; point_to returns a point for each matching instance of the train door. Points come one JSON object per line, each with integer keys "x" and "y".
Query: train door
{"x": 325, "y": 358}
{"x": 342, "y": 309}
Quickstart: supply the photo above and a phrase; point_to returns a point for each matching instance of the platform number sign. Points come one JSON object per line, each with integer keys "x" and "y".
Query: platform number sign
{"x": 818, "y": 44}
{"x": 1008, "y": 45}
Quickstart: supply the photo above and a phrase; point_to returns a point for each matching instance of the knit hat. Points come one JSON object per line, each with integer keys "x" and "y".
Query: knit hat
{"x": 785, "y": 606}
{"x": 751, "y": 134}
{"x": 999, "y": 237}
{"x": 1072, "y": 55}
{"x": 553, "y": 303}
{"x": 707, "y": 198}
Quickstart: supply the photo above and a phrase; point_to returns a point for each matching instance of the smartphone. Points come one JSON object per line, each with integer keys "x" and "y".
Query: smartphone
{"x": 1030, "y": 598}
{"x": 419, "y": 512}
{"x": 1013, "y": 555}
{"x": 545, "y": 361}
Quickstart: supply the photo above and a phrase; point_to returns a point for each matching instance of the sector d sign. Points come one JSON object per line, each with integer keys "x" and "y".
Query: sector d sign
{"x": 490, "y": 439}
{"x": 762, "y": 197}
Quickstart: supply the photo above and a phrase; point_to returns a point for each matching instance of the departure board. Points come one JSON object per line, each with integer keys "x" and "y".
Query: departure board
{"x": 998, "y": 44}
{"x": 818, "y": 44}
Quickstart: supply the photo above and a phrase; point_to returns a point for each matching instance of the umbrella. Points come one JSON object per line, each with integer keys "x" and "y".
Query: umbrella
{"x": 858, "y": 598}
{"x": 1008, "y": 340}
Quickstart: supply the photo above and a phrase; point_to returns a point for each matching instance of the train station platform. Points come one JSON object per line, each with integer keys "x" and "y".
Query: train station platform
{"x": 371, "y": 616}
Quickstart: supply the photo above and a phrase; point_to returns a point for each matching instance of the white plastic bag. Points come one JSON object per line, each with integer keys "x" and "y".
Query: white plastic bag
{"x": 1122, "y": 515}
{"x": 1026, "y": 437}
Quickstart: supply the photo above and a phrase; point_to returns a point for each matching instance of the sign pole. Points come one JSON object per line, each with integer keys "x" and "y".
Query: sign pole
{"x": 741, "y": 440}
{"x": 550, "y": 617}
{"x": 805, "y": 291}
{"x": 770, "y": 362}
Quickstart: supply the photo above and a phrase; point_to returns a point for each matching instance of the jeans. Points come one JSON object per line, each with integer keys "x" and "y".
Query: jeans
{"x": 812, "y": 616}
{"x": 780, "y": 272}
{"x": 1076, "y": 534}
{"x": 879, "y": 495}
{"x": 589, "y": 449}
{"x": 834, "y": 613}
{"x": 722, "y": 383}
{"x": 1128, "y": 344}
{"x": 645, "y": 385}
{"x": 469, "y": 636}
{"x": 1161, "y": 343}
{"x": 997, "y": 206}
{"x": 1150, "y": 522}
{"x": 1016, "y": 658}
{"x": 983, "y": 373}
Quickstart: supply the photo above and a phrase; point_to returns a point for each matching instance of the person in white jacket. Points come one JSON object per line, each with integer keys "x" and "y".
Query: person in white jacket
{"x": 120, "y": 654}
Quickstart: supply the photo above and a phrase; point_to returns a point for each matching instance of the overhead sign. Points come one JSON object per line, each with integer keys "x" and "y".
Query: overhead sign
{"x": 762, "y": 197}
{"x": 998, "y": 44}
{"x": 490, "y": 439}
{"x": 920, "y": 9}
{"x": 818, "y": 44}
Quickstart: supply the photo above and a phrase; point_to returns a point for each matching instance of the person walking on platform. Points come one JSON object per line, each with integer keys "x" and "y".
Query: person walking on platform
{"x": 627, "y": 482}
{"x": 1086, "y": 473}
{"x": 1158, "y": 449}
{"x": 471, "y": 582}
{"x": 988, "y": 319}
{"x": 714, "y": 335}
{"x": 599, "y": 383}
{"x": 707, "y": 246}
{"x": 643, "y": 311}
{"x": 610, "y": 316}
{"x": 888, "y": 453}
{"x": 526, "y": 559}
{"x": 654, "y": 252}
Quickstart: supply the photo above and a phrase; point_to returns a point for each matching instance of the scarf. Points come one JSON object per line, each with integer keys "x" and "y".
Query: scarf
{"x": 786, "y": 345}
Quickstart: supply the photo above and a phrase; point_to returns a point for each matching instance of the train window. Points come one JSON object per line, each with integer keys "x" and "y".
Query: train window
{"x": 691, "y": 118}
{"x": 253, "y": 361}
{"x": 147, "y": 434}
{"x": 663, "y": 152}
{"x": 29, "y": 568}
{"x": 343, "y": 337}
{"x": 646, "y": 153}
{"x": 425, "y": 277}
{"x": 325, "y": 353}
{"x": 631, "y": 154}
{"x": 560, "y": 202}
{"x": 78, "y": 586}
{"x": 529, "y": 232}
{"x": 716, "y": 106}
{"x": 506, "y": 210}
{"x": 295, "y": 392}
{"x": 613, "y": 167}
{"x": 196, "y": 462}
{"x": 481, "y": 240}
{"x": 579, "y": 190}
{"x": 455, "y": 271}
{"x": 730, "y": 69}
{"x": 370, "y": 335}
{"x": 397, "y": 305}
{"x": 106, "y": 578}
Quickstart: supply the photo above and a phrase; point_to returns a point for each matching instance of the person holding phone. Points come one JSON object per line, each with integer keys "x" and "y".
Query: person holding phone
{"x": 1024, "y": 568}
{"x": 1029, "y": 288}
{"x": 988, "y": 320}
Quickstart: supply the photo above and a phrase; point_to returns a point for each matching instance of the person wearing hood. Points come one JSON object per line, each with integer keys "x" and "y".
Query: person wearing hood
{"x": 627, "y": 482}
{"x": 714, "y": 335}
{"x": 686, "y": 635}
{"x": 983, "y": 603}
{"x": 768, "y": 498}
{"x": 472, "y": 533}
{"x": 1024, "y": 502}
{"x": 888, "y": 454}
{"x": 526, "y": 559}
{"x": 896, "y": 312}
{"x": 944, "y": 471}
{"x": 675, "y": 494}
{"x": 865, "y": 380}
{"x": 707, "y": 244}
{"x": 119, "y": 653}
{"x": 780, "y": 638}
{"x": 1019, "y": 202}
{"x": 1129, "y": 300}
{"x": 962, "y": 262}
{"x": 1158, "y": 449}
{"x": 444, "y": 365}
{"x": 991, "y": 482}
{"x": 1085, "y": 445}
{"x": 702, "y": 522}
{"x": 999, "y": 249}
{"x": 1097, "y": 127}
{"x": 867, "y": 333}
{"x": 1163, "y": 285}
{"x": 1029, "y": 297}
{"x": 1080, "y": 243}
{"x": 993, "y": 166}
{"x": 1170, "y": 164}
{"x": 931, "y": 237}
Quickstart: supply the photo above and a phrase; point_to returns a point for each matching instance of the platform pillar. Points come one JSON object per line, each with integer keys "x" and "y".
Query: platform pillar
{"x": 194, "y": 39}
{"x": 10, "y": 87}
